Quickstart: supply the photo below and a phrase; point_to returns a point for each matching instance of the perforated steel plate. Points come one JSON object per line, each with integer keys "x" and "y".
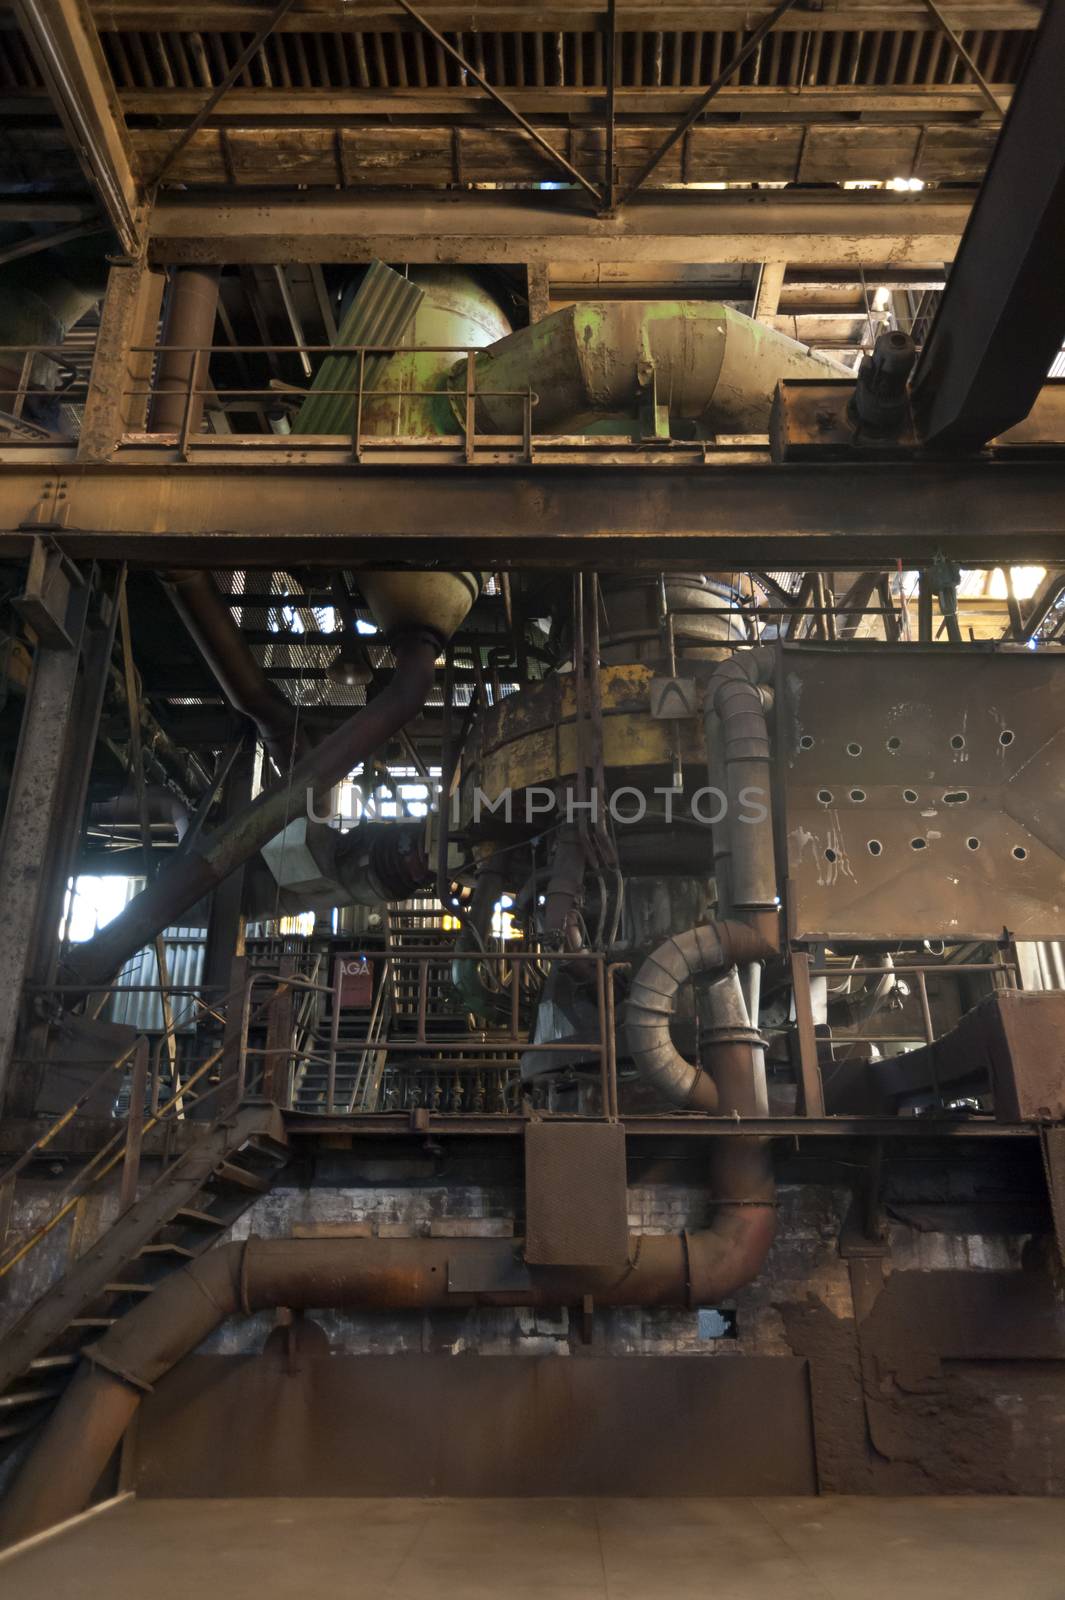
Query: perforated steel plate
{"x": 923, "y": 793}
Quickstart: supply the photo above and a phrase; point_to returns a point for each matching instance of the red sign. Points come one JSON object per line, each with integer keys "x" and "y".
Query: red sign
{"x": 356, "y": 981}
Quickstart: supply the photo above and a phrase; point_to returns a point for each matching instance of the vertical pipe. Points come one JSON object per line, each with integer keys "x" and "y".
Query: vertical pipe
{"x": 192, "y": 304}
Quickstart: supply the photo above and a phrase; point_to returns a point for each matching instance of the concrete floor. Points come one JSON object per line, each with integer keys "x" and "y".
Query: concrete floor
{"x": 779, "y": 1549}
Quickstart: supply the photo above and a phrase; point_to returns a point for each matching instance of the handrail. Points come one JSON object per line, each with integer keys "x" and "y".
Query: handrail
{"x": 465, "y": 1051}
{"x": 124, "y": 1144}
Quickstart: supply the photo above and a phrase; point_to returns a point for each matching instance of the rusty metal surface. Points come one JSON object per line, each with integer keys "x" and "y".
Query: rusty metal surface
{"x": 1053, "y": 1143}
{"x": 1017, "y": 1042}
{"x": 923, "y": 796}
{"x": 493, "y": 1425}
{"x": 576, "y": 1208}
{"x": 656, "y": 517}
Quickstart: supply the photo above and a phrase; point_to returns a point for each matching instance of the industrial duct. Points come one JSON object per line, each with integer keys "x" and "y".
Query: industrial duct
{"x": 737, "y": 736}
{"x": 421, "y": 618}
{"x": 709, "y": 365}
{"x": 209, "y": 620}
{"x": 689, "y": 1269}
{"x": 714, "y": 948}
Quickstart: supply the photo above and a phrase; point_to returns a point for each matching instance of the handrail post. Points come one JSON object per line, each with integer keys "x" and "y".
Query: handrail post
{"x": 131, "y": 1161}
{"x": 190, "y": 397}
{"x": 23, "y": 384}
{"x": 515, "y": 999}
{"x": 813, "y": 1094}
{"x": 471, "y": 417}
{"x": 423, "y": 997}
{"x": 334, "y": 1037}
{"x": 357, "y": 443}
{"x": 930, "y": 1036}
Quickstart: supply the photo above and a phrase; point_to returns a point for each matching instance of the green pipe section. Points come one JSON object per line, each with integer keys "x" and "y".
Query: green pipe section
{"x": 711, "y": 367}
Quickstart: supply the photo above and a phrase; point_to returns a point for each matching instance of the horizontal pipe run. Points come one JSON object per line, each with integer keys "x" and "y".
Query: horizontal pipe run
{"x": 77, "y": 1442}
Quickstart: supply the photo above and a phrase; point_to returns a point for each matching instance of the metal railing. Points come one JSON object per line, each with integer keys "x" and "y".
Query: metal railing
{"x": 196, "y": 387}
{"x": 1003, "y": 973}
{"x": 194, "y": 390}
{"x": 348, "y": 1061}
{"x": 214, "y": 1083}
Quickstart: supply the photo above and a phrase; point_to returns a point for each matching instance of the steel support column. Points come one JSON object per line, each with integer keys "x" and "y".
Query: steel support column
{"x": 117, "y": 400}
{"x": 46, "y": 799}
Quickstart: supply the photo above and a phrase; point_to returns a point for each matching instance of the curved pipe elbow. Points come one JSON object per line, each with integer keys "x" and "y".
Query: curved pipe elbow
{"x": 714, "y": 947}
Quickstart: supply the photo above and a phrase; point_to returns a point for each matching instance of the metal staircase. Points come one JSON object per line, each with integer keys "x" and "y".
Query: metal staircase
{"x": 188, "y": 1207}
{"x": 360, "y": 1041}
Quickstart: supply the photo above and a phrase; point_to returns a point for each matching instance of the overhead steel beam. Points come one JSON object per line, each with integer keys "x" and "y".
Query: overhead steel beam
{"x": 273, "y": 511}
{"x": 961, "y": 103}
{"x": 245, "y": 16}
{"x": 64, "y": 41}
{"x": 1002, "y": 317}
{"x": 853, "y": 228}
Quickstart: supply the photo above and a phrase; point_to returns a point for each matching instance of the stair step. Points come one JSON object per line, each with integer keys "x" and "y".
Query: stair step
{"x": 47, "y": 1363}
{"x": 157, "y": 1250}
{"x": 241, "y": 1178}
{"x": 27, "y": 1397}
{"x": 274, "y": 1149}
{"x": 129, "y": 1288}
{"x": 92, "y": 1322}
{"x": 199, "y": 1219}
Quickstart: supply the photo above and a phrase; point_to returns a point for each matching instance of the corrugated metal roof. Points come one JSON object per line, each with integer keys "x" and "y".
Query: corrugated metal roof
{"x": 380, "y": 314}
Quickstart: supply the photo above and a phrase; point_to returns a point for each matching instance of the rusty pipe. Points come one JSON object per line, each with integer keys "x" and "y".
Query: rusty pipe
{"x": 79, "y": 1438}
{"x": 209, "y": 620}
{"x": 192, "y": 305}
{"x": 216, "y": 855}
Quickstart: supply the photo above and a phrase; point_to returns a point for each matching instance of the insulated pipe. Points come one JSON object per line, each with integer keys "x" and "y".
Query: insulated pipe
{"x": 215, "y": 856}
{"x": 192, "y": 305}
{"x": 735, "y": 724}
{"x": 712, "y": 948}
{"x": 163, "y": 806}
{"x": 76, "y": 1443}
{"x": 710, "y": 365}
{"x": 209, "y": 620}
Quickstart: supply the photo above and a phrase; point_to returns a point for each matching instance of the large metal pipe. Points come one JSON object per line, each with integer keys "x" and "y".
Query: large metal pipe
{"x": 209, "y": 620}
{"x": 737, "y": 733}
{"x": 216, "y": 855}
{"x": 192, "y": 305}
{"x": 711, "y": 366}
{"x": 418, "y": 611}
{"x": 125, "y": 809}
{"x": 713, "y": 948}
{"x": 690, "y": 1269}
